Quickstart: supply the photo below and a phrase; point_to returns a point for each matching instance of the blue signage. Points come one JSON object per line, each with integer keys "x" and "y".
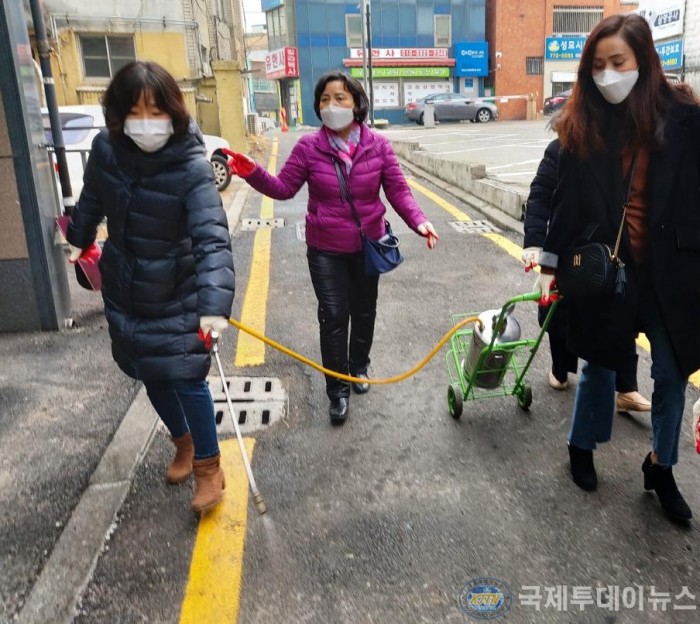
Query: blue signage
{"x": 563, "y": 48}
{"x": 472, "y": 58}
{"x": 670, "y": 53}
{"x": 268, "y": 5}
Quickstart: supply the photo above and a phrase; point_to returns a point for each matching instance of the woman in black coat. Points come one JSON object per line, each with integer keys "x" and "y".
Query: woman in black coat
{"x": 624, "y": 119}
{"x": 537, "y": 217}
{"x": 167, "y": 266}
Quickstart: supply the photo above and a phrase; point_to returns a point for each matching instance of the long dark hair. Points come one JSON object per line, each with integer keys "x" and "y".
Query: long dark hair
{"x": 151, "y": 79}
{"x": 353, "y": 86}
{"x": 580, "y": 123}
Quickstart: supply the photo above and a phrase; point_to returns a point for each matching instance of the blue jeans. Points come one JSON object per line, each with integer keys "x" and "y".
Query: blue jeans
{"x": 594, "y": 405}
{"x": 186, "y": 406}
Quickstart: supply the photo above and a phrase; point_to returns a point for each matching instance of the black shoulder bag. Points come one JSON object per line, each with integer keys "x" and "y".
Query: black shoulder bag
{"x": 595, "y": 269}
{"x": 381, "y": 256}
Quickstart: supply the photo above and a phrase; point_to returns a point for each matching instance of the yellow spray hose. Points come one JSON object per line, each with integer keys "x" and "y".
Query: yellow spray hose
{"x": 318, "y": 367}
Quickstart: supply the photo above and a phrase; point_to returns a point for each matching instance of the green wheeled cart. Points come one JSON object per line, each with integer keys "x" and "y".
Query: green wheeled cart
{"x": 482, "y": 362}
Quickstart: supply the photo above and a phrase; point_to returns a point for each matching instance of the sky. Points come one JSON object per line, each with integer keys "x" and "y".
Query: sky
{"x": 253, "y": 13}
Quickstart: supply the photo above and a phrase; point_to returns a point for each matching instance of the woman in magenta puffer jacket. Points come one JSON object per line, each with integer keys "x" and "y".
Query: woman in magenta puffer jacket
{"x": 346, "y": 296}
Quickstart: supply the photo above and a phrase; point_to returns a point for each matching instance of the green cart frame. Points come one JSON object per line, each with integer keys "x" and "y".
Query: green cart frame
{"x": 463, "y": 384}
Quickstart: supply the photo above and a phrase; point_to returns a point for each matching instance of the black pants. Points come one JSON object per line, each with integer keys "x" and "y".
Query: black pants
{"x": 563, "y": 361}
{"x": 346, "y": 297}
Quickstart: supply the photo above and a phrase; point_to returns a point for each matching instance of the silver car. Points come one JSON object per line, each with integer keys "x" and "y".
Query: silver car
{"x": 452, "y": 107}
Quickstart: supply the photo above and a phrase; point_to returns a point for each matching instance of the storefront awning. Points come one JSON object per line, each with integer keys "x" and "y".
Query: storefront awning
{"x": 408, "y": 62}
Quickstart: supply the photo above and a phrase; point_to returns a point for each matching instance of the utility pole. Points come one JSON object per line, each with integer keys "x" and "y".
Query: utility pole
{"x": 368, "y": 54}
{"x": 363, "y": 9}
{"x": 59, "y": 146}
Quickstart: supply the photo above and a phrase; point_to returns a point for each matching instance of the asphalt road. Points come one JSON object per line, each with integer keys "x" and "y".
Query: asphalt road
{"x": 389, "y": 517}
{"x": 510, "y": 150}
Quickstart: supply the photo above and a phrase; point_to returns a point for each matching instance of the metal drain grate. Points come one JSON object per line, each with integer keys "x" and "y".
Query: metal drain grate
{"x": 250, "y": 225}
{"x": 257, "y": 401}
{"x": 473, "y": 227}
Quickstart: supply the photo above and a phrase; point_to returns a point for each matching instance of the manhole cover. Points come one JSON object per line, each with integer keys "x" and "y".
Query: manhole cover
{"x": 473, "y": 227}
{"x": 257, "y": 402}
{"x": 250, "y": 225}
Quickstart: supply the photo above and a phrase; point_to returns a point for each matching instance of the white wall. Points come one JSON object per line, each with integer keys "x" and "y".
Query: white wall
{"x": 170, "y": 9}
{"x": 692, "y": 44}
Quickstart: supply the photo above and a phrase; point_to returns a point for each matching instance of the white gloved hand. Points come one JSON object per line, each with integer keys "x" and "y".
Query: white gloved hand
{"x": 215, "y": 323}
{"x": 696, "y": 424}
{"x": 544, "y": 284}
{"x": 531, "y": 257}
{"x": 75, "y": 253}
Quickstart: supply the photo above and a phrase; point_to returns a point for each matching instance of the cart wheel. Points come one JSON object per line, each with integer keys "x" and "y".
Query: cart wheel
{"x": 525, "y": 398}
{"x": 454, "y": 400}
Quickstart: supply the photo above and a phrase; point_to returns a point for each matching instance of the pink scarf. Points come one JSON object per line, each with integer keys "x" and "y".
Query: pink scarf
{"x": 345, "y": 149}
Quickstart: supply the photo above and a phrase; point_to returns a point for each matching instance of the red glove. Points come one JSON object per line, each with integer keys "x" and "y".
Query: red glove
{"x": 205, "y": 339}
{"x": 91, "y": 254}
{"x": 239, "y": 164}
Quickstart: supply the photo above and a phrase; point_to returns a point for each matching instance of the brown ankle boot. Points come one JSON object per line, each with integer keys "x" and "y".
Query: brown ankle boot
{"x": 181, "y": 466}
{"x": 209, "y": 483}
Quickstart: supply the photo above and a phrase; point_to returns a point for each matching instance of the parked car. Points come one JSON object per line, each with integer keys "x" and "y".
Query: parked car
{"x": 554, "y": 103}
{"x": 452, "y": 107}
{"x": 81, "y": 123}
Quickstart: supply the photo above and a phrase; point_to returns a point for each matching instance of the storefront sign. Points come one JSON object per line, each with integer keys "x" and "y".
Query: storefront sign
{"x": 671, "y": 54}
{"x": 403, "y": 72}
{"x": 665, "y": 17}
{"x": 282, "y": 63}
{"x": 563, "y": 48}
{"x": 268, "y": 5}
{"x": 472, "y": 58}
{"x": 401, "y": 53}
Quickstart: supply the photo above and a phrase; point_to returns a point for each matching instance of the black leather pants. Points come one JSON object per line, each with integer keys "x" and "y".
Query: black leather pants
{"x": 346, "y": 296}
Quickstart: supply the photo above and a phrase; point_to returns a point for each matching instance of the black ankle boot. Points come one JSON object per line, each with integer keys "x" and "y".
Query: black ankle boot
{"x": 360, "y": 388}
{"x": 582, "y": 468}
{"x": 339, "y": 410}
{"x": 660, "y": 479}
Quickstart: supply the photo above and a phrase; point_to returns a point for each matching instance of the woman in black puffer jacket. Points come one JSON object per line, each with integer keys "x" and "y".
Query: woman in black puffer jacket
{"x": 167, "y": 266}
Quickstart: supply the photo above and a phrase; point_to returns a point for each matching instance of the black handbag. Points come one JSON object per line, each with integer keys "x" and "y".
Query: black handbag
{"x": 381, "y": 256}
{"x": 595, "y": 269}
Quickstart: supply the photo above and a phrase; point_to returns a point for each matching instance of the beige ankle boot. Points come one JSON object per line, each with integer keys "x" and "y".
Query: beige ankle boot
{"x": 209, "y": 483}
{"x": 181, "y": 466}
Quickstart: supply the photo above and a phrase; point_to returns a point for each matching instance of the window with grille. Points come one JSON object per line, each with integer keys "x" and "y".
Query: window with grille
{"x": 104, "y": 55}
{"x": 264, "y": 86}
{"x": 534, "y": 65}
{"x": 353, "y": 31}
{"x": 576, "y": 20}
{"x": 443, "y": 31}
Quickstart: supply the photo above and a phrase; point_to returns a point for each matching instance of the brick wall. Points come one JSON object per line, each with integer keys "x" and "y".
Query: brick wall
{"x": 516, "y": 30}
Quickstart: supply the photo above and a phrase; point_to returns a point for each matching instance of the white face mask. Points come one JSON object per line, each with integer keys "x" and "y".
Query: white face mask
{"x": 149, "y": 134}
{"x": 337, "y": 117}
{"x": 615, "y": 86}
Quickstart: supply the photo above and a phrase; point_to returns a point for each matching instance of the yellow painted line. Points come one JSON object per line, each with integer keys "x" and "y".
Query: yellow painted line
{"x": 444, "y": 204}
{"x": 216, "y": 571}
{"x": 266, "y": 210}
{"x": 512, "y": 250}
{"x": 250, "y": 351}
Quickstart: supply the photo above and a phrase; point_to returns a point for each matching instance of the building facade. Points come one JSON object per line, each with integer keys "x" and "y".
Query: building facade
{"x": 535, "y": 46}
{"x": 691, "y": 73}
{"x": 89, "y": 45}
{"x": 418, "y": 47}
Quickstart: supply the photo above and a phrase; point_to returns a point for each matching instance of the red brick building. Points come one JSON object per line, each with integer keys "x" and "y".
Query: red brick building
{"x": 534, "y": 46}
